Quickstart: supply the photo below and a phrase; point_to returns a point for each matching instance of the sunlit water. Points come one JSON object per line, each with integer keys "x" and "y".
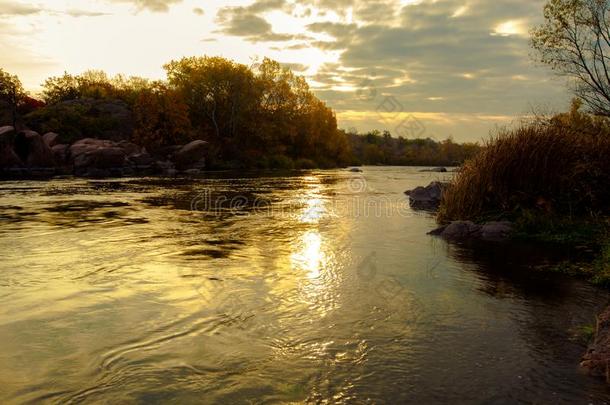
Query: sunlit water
{"x": 318, "y": 287}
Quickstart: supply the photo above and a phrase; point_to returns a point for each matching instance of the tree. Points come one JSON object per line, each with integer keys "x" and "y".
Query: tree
{"x": 220, "y": 93}
{"x": 575, "y": 41}
{"x": 60, "y": 88}
{"x": 161, "y": 117}
{"x": 11, "y": 92}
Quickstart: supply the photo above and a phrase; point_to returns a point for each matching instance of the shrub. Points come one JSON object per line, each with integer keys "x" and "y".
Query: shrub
{"x": 558, "y": 166}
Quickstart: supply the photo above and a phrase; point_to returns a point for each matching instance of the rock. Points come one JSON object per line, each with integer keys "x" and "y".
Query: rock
{"x": 461, "y": 230}
{"x": 435, "y": 170}
{"x": 141, "y": 159}
{"x": 596, "y": 360}
{"x": 131, "y": 148}
{"x": 32, "y": 150}
{"x": 89, "y": 144}
{"x": 90, "y": 155}
{"x": 496, "y": 230}
{"x": 7, "y": 131}
{"x": 191, "y": 156}
{"x": 468, "y": 230}
{"x": 8, "y": 157}
{"x": 355, "y": 170}
{"x": 426, "y": 197}
{"x": 51, "y": 139}
{"x": 60, "y": 153}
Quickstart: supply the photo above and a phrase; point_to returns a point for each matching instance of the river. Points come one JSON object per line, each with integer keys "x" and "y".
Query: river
{"x": 313, "y": 287}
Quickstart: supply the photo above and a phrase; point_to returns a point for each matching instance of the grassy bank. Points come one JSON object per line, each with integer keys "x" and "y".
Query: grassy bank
{"x": 551, "y": 177}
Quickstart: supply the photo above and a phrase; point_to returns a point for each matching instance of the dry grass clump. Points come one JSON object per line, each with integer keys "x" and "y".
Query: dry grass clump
{"x": 558, "y": 166}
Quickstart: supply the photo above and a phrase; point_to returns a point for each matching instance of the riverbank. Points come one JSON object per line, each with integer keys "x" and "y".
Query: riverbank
{"x": 551, "y": 180}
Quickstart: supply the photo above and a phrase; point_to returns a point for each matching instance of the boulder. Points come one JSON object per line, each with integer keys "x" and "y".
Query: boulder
{"x": 60, "y": 153}
{"x": 468, "y": 230}
{"x": 141, "y": 159}
{"x": 8, "y": 157}
{"x": 461, "y": 230}
{"x": 191, "y": 156}
{"x": 32, "y": 150}
{"x": 426, "y": 197}
{"x": 496, "y": 230}
{"x": 96, "y": 157}
{"x": 51, "y": 139}
{"x": 596, "y": 360}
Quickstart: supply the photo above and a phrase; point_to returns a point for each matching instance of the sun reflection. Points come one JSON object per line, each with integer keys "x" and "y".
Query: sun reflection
{"x": 314, "y": 211}
{"x": 311, "y": 257}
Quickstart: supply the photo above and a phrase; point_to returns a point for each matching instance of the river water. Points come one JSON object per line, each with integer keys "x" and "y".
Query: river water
{"x": 316, "y": 287}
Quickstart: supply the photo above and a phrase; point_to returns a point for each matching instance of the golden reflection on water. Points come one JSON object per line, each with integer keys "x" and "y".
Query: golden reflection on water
{"x": 310, "y": 257}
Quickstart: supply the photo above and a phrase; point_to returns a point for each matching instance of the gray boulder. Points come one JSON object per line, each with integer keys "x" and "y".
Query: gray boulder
{"x": 60, "y": 153}
{"x": 426, "y": 197}
{"x": 496, "y": 230}
{"x": 32, "y": 150}
{"x": 96, "y": 157}
{"x": 8, "y": 157}
{"x": 51, "y": 139}
{"x": 468, "y": 230}
{"x": 191, "y": 156}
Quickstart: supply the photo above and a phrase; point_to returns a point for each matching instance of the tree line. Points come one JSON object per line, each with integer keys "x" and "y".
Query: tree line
{"x": 256, "y": 117}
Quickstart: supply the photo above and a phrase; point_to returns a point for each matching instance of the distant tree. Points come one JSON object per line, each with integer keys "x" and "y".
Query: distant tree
{"x": 11, "y": 92}
{"x": 575, "y": 41}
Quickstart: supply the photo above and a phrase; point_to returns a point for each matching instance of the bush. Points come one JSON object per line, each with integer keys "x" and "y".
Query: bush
{"x": 280, "y": 162}
{"x": 556, "y": 167}
{"x": 305, "y": 164}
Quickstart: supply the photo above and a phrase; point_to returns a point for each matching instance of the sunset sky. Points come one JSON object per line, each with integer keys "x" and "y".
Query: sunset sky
{"x": 417, "y": 68}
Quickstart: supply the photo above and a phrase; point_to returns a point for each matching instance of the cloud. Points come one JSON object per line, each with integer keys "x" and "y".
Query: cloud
{"x": 249, "y": 22}
{"x": 12, "y": 8}
{"x": 152, "y": 5}
{"x": 198, "y": 11}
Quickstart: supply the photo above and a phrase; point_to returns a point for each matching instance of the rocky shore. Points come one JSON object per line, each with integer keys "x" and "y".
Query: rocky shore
{"x": 27, "y": 154}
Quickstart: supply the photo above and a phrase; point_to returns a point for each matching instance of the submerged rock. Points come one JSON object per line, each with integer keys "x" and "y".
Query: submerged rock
{"x": 428, "y": 197}
{"x": 468, "y": 230}
{"x": 596, "y": 361}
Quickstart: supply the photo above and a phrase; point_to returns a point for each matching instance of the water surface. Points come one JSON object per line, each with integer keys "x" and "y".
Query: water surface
{"x": 313, "y": 287}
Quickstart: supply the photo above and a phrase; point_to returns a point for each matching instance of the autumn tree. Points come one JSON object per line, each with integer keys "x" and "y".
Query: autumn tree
{"x": 161, "y": 117}
{"x": 221, "y": 94}
{"x": 575, "y": 41}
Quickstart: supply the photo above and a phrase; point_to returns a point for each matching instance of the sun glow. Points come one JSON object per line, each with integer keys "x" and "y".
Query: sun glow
{"x": 508, "y": 28}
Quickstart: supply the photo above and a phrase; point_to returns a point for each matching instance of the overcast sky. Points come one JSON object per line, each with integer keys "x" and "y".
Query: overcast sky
{"x": 417, "y": 68}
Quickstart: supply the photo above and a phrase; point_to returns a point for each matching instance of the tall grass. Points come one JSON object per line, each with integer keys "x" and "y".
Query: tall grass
{"x": 556, "y": 167}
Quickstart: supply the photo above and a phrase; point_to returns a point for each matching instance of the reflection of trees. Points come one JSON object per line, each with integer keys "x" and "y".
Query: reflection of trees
{"x": 548, "y": 308}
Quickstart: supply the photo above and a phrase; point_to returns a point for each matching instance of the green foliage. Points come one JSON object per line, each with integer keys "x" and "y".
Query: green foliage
{"x": 76, "y": 119}
{"x": 12, "y": 95}
{"x": 375, "y": 148}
